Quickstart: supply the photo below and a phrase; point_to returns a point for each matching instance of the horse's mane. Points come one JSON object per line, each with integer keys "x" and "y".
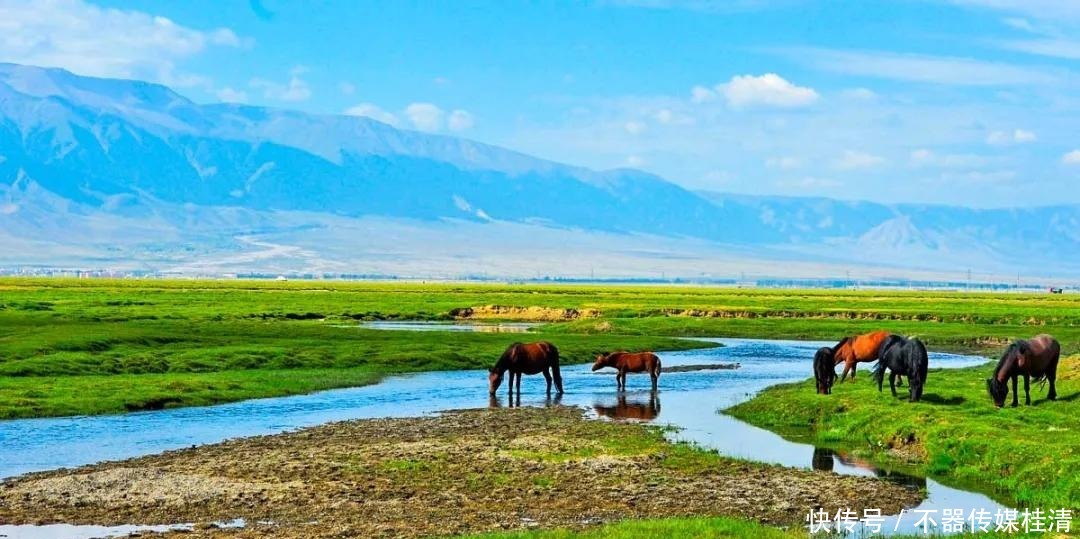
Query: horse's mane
{"x": 1010, "y": 353}
{"x": 841, "y": 344}
{"x": 501, "y": 363}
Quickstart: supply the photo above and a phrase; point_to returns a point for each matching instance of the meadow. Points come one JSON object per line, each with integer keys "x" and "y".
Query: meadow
{"x": 91, "y": 346}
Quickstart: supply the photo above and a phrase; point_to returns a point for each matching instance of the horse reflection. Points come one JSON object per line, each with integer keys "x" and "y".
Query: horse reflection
{"x": 514, "y": 401}
{"x": 643, "y": 410}
{"x": 825, "y": 459}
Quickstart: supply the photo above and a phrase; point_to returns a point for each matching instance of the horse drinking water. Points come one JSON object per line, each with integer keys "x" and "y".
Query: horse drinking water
{"x": 1035, "y": 358}
{"x": 626, "y": 362}
{"x": 858, "y": 349}
{"x": 530, "y": 358}
{"x": 903, "y": 357}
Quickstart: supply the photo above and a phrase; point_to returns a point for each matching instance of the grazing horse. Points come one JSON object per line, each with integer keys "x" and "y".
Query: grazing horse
{"x": 641, "y": 410}
{"x": 824, "y": 370}
{"x": 903, "y": 357}
{"x": 531, "y": 358}
{"x": 626, "y": 362}
{"x": 858, "y": 349}
{"x": 1035, "y": 358}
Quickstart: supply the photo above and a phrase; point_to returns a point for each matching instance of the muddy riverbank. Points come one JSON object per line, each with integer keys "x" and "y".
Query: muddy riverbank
{"x": 457, "y": 472}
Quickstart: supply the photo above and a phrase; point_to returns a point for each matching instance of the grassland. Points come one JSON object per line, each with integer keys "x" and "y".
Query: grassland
{"x": 1027, "y": 454}
{"x": 72, "y": 346}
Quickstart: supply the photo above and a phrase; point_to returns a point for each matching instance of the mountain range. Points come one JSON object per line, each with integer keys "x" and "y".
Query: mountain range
{"x": 129, "y": 175}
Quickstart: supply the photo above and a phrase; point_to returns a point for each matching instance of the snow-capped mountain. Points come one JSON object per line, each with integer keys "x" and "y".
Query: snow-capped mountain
{"x": 102, "y": 172}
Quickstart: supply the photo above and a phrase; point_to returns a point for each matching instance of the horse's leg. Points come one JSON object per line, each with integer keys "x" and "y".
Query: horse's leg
{"x": 655, "y": 377}
{"x": 854, "y": 367}
{"x": 510, "y": 384}
{"x": 1016, "y": 401}
{"x": 847, "y": 367}
{"x": 547, "y": 376}
{"x": 1027, "y": 390}
{"x": 1051, "y": 376}
{"x": 892, "y": 383}
{"x": 519, "y": 384}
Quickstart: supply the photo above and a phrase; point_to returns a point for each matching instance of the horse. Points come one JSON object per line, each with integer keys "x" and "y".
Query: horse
{"x": 531, "y": 358}
{"x": 903, "y": 357}
{"x": 858, "y": 349}
{"x": 626, "y": 362}
{"x": 641, "y": 410}
{"x": 824, "y": 370}
{"x": 1035, "y": 358}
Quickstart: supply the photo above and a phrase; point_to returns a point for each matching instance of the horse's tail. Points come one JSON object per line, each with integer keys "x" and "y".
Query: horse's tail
{"x": 879, "y": 373}
{"x": 555, "y": 374}
{"x": 657, "y": 368}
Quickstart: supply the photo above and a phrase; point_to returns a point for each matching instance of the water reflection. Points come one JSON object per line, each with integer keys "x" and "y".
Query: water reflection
{"x": 826, "y": 459}
{"x": 642, "y": 409}
{"x": 514, "y": 401}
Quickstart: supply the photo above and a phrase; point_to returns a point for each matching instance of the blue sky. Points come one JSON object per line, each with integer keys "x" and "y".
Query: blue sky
{"x": 973, "y": 102}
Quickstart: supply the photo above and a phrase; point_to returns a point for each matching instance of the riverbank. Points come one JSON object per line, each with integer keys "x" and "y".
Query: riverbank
{"x": 459, "y": 472}
{"x": 1026, "y": 454}
{"x": 100, "y": 346}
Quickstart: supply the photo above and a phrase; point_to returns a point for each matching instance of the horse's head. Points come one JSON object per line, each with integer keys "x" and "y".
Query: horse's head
{"x": 494, "y": 380}
{"x": 824, "y": 372}
{"x": 998, "y": 391}
{"x": 601, "y": 362}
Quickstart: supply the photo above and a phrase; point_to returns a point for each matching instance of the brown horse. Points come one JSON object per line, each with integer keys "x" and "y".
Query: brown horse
{"x": 531, "y": 358}
{"x": 626, "y": 362}
{"x": 641, "y": 410}
{"x": 858, "y": 349}
{"x": 1035, "y": 358}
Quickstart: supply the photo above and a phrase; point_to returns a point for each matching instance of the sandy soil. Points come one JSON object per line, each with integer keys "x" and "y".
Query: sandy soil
{"x": 462, "y": 471}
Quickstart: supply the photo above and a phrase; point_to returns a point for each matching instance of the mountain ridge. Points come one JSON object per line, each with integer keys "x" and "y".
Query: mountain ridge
{"x": 138, "y": 165}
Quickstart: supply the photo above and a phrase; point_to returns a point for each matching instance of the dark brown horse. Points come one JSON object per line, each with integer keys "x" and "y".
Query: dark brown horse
{"x": 626, "y": 362}
{"x": 824, "y": 370}
{"x": 858, "y": 349}
{"x": 530, "y": 358}
{"x": 623, "y": 409}
{"x": 1035, "y": 358}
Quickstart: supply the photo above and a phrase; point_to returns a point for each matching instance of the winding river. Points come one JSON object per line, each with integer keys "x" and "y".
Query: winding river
{"x": 688, "y": 400}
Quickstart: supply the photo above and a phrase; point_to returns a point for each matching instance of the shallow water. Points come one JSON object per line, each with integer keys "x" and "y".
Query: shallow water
{"x": 688, "y": 400}
{"x": 471, "y": 327}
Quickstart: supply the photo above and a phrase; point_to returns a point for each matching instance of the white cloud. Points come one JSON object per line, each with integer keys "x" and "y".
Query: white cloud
{"x": 784, "y": 162}
{"x": 231, "y": 95}
{"x": 635, "y": 161}
{"x": 460, "y": 120}
{"x": 1002, "y": 138}
{"x": 923, "y": 68}
{"x": 295, "y": 89}
{"x": 425, "y": 116}
{"x": 635, "y": 127}
{"x": 769, "y": 89}
{"x": 347, "y": 88}
{"x": 852, "y": 160}
{"x": 91, "y": 40}
{"x": 1072, "y": 158}
{"x": 701, "y": 94}
{"x": 370, "y": 110}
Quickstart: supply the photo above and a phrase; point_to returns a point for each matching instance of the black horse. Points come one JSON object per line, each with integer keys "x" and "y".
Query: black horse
{"x": 824, "y": 370}
{"x": 903, "y": 357}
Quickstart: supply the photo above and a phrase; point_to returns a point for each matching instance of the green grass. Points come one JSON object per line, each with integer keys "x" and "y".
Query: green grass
{"x": 1028, "y": 454}
{"x": 153, "y": 335}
